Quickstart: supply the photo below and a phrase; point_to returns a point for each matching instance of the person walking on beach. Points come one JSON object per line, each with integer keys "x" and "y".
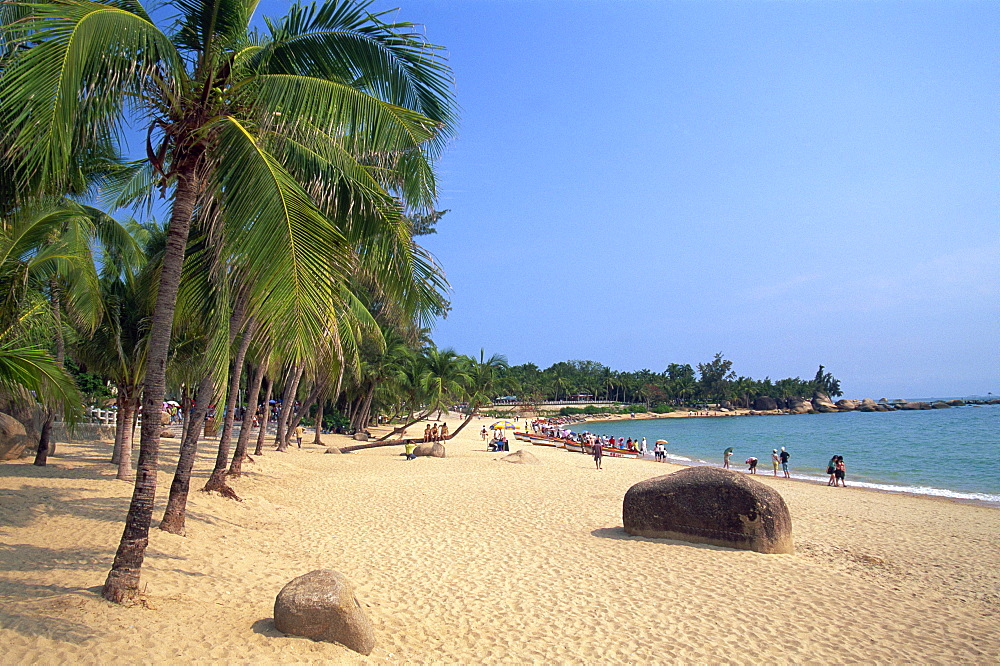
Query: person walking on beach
{"x": 751, "y": 465}
{"x": 774, "y": 460}
{"x": 642, "y": 447}
{"x": 839, "y": 471}
{"x": 658, "y": 452}
{"x": 482, "y": 433}
{"x": 831, "y": 467}
{"x": 598, "y": 450}
{"x": 299, "y": 431}
{"x": 785, "y": 455}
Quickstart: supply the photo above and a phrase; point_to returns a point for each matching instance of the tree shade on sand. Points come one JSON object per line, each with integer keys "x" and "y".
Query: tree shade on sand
{"x": 273, "y": 137}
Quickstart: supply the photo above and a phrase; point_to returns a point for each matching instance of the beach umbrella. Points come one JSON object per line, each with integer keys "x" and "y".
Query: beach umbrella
{"x": 662, "y": 441}
{"x": 729, "y": 450}
{"x": 503, "y": 425}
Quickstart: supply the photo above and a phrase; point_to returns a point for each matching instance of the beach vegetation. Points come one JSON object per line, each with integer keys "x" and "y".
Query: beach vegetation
{"x": 297, "y": 149}
{"x": 679, "y": 385}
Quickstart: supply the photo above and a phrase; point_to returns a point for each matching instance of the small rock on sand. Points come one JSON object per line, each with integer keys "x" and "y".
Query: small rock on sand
{"x": 522, "y": 457}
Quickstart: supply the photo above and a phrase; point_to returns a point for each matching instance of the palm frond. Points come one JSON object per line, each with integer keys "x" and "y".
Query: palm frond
{"x": 340, "y": 40}
{"x": 78, "y": 64}
{"x": 290, "y": 250}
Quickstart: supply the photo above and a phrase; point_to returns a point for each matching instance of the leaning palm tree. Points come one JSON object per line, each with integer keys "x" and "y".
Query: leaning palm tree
{"x": 333, "y": 112}
{"x": 483, "y": 379}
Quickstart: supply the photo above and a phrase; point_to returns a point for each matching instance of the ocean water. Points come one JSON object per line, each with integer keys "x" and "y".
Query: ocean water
{"x": 945, "y": 452}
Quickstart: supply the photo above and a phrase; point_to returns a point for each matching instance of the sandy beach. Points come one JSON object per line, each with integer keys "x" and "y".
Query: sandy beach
{"x": 469, "y": 559}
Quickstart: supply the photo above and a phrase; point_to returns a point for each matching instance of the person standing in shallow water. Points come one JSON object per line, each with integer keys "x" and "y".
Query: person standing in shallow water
{"x": 785, "y": 455}
{"x": 831, "y": 468}
{"x": 839, "y": 472}
{"x": 774, "y": 460}
{"x": 726, "y": 455}
{"x": 598, "y": 450}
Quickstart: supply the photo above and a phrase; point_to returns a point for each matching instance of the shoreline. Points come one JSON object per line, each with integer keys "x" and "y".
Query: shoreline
{"x": 959, "y": 496}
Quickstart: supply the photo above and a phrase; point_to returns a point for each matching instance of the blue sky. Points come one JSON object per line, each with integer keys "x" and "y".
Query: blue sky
{"x": 790, "y": 183}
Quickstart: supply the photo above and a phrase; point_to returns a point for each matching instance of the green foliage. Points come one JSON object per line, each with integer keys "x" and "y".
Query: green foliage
{"x": 93, "y": 387}
{"x": 331, "y": 421}
{"x": 827, "y": 383}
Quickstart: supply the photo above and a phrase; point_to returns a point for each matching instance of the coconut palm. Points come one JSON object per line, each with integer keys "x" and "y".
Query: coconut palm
{"x": 330, "y": 113}
{"x": 46, "y": 252}
{"x": 484, "y": 378}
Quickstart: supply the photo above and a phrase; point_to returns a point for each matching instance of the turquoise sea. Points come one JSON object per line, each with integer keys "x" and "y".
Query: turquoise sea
{"x": 945, "y": 452}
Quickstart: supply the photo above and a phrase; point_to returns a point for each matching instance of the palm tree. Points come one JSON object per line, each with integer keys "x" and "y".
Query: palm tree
{"x": 443, "y": 379}
{"x": 328, "y": 115}
{"x": 484, "y": 378}
{"x": 117, "y": 348}
{"x": 46, "y": 253}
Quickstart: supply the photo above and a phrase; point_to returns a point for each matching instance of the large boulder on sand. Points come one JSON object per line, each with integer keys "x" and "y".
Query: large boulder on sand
{"x": 522, "y": 457}
{"x": 13, "y": 438}
{"x": 333, "y": 449}
{"x": 321, "y": 605}
{"x": 764, "y": 403}
{"x": 430, "y": 450}
{"x": 710, "y": 505}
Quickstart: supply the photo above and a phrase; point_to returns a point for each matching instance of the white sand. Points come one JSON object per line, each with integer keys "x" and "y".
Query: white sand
{"x": 468, "y": 559}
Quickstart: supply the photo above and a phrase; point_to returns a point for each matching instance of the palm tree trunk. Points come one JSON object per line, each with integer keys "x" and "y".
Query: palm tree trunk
{"x": 262, "y": 433}
{"x": 185, "y": 408}
{"x": 122, "y": 582}
{"x": 119, "y": 426}
{"x": 217, "y": 481}
{"x": 125, "y": 454}
{"x": 42, "y": 454}
{"x": 305, "y": 407}
{"x": 176, "y": 511}
{"x": 45, "y": 445}
{"x": 319, "y": 422}
{"x": 464, "y": 423}
{"x": 236, "y": 466}
{"x": 401, "y": 429}
{"x": 287, "y": 405}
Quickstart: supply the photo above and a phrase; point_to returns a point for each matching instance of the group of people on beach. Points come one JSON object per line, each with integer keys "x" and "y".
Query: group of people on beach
{"x": 433, "y": 434}
{"x": 836, "y": 468}
{"x": 837, "y": 471}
